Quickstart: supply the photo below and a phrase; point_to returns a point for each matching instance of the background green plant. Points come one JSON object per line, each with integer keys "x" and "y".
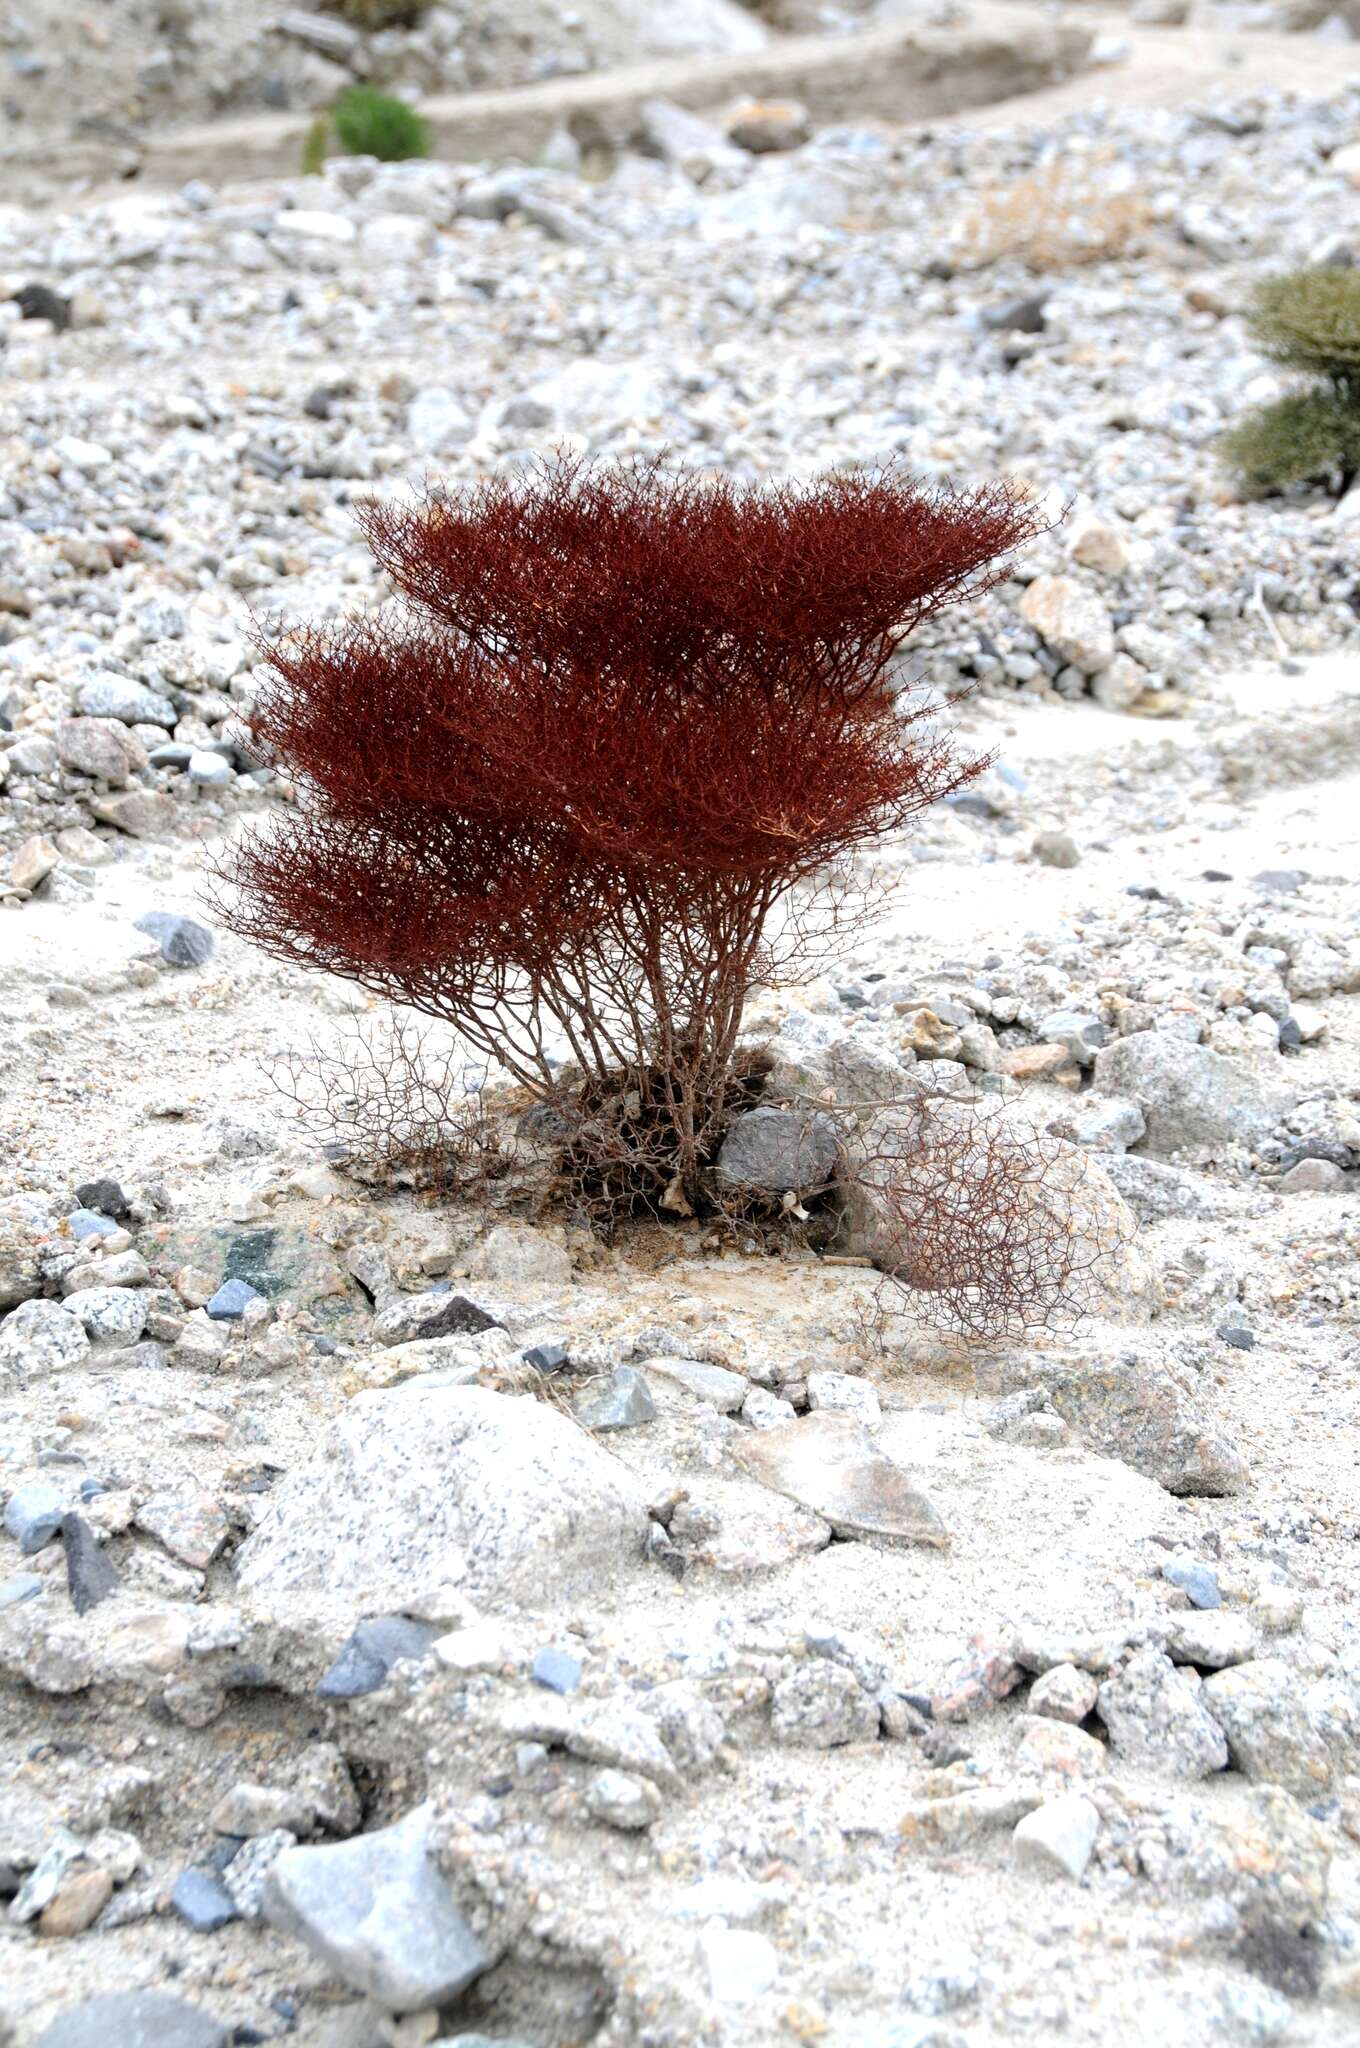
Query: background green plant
{"x": 1309, "y": 321}
{"x": 372, "y": 123}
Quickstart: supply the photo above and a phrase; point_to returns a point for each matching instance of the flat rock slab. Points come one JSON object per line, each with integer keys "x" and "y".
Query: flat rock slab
{"x": 134, "y": 2019}
{"x": 829, "y": 1463}
{"x": 1138, "y": 1405}
{"x": 378, "y": 1911}
{"x": 420, "y": 1490}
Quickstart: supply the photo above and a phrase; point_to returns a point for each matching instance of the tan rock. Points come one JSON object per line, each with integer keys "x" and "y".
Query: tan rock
{"x": 1042, "y": 1063}
{"x": 1060, "y": 1750}
{"x": 141, "y": 813}
{"x": 1071, "y": 620}
{"x": 1098, "y": 546}
{"x": 77, "y": 1905}
{"x": 102, "y": 748}
{"x": 33, "y": 861}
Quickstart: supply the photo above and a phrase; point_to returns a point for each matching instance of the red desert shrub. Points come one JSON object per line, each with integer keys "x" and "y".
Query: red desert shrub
{"x": 564, "y": 792}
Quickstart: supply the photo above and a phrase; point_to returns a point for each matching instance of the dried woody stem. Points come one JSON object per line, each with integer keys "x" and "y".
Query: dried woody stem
{"x": 619, "y": 721}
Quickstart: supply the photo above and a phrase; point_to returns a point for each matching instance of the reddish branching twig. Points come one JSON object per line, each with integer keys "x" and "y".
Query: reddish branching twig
{"x": 559, "y": 795}
{"x": 979, "y": 1224}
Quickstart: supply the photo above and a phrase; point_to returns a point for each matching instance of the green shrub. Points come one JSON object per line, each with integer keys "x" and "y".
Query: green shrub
{"x": 1310, "y": 437}
{"x": 1308, "y": 320}
{"x": 370, "y": 123}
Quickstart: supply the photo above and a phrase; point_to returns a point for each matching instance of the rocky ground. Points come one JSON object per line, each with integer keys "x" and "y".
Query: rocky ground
{"x": 421, "y": 1622}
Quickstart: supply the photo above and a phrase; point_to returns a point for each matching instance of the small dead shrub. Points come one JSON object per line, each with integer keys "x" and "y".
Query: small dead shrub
{"x": 1064, "y": 213}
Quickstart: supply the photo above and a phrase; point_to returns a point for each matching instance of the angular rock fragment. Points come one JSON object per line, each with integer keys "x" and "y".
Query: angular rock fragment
{"x": 1139, "y": 1406}
{"x": 1156, "y": 1719}
{"x": 378, "y": 1912}
{"x": 417, "y": 1489}
{"x": 829, "y": 1463}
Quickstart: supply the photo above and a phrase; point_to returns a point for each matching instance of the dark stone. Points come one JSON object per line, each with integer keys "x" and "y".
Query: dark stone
{"x": 547, "y": 1357}
{"x": 459, "y": 1318}
{"x": 557, "y": 1670}
{"x": 1018, "y": 316}
{"x": 231, "y": 1301}
{"x": 250, "y": 1257}
{"x": 317, "y": 404}
{"x": 1216, "y": 875}
{"x": 203, "y": 1901}
{"x": 40, "y": 302}
{"x": 370, "y": 1653}
{"x": 1291, "y": 1038}
{"x": 973, "y": 802}
{"x": 1284, "y": 1957}
{"x": 105, "y": 1197}
{"x": 1148, "y": 891}
{"x": 183, "y": 941}
{"x": 89, "y": 1574}
{"x": 1240, "y": 1339}
{"x": 1317, "y": 1148}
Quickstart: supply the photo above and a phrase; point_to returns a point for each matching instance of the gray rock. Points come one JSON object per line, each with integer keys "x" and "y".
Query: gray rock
{"x": 623, "y": 1402}
{"x": 1101, "y": 1123}
{"x": 821, "y": 1705}
{"x": 90, "y": 1577}
{"x": 811, "y": 1059}
{"x": 112, "y": 1316}
{"x": 247, "y": 1874}
{"x": 556, "y": 1670}
{"x": 622, "y": 1801}
{"x": 779, "y": 1150}
{"x": 1199, "y": 1582}
{"x": 688, "y": 1723}
{"x": 830, "y": 1464}
{"x": 371, "y": 1652}
{"x": 722, "y": 1389}
{"x": 231, "y": 1301}
{"x": 183, "y": 941}
{"x": 1157, "y": 1193}
{"x": 1059, "y": 1835}
{"x": 517, "y": 1257}
{"x": 1063, "y": 1694}
{"x": 1157, "y": 1720}
{"x": 1077, "y": 1031}
{"x": 134, "y": 2019}
{"x": 1141, "y": 1407}
{"x": 418, "y": 1489}
{"x": 377, "y": 1911}
{"x": 41, "y": 1337}
{"x": 1212, "y": 1640}
{"x": 34, "y": 1514}
{"x": 1188, "y": 1094}
{"x": 88, "y": 1223}
{"x": 20, "y": 1587}
{"x": 203, "y": 1901}
{"x": 106, "y": 695}
{"x": 1055, "y": 850}
{"x": 844, "y": 1393}
{"x": 1271, "y": 1738}
{"x": 1313, "y": 1177}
